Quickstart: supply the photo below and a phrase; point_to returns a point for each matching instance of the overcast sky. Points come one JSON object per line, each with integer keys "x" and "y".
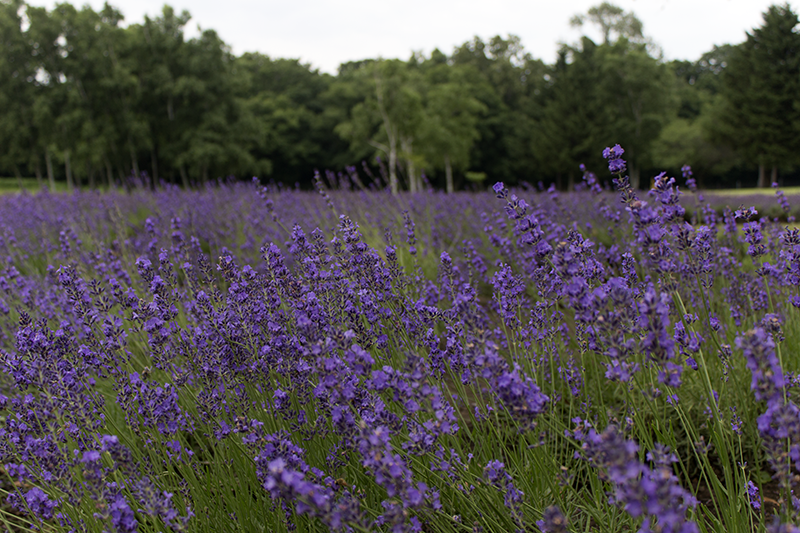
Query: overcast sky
{"x": 326, "y": 33}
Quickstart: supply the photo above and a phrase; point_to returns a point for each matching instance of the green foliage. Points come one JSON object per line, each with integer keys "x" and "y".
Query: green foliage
{"x": 89, "y": 100}
{"x": 508, "y": 83}
{"x": 600, "y": 95}
{"x": 683, "y": 141}
{"x": 758, "y": 114}
{"x": 284, "y": 100}
{"x": 611, "y": 18}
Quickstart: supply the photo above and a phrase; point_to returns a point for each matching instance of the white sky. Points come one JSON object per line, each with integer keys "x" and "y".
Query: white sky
{"x": 326, "y": 33}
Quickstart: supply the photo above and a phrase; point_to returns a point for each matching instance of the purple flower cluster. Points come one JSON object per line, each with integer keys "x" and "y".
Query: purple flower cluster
{"x": 652, "y": 493}
{"x": 616, "y": 165}
{"x": 177, "y": 353}
{"x": 779, "y": 425}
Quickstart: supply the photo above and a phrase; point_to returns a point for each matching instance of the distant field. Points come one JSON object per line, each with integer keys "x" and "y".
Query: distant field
{"x": 747, "y": 192}
{"x": 11, "y": 185}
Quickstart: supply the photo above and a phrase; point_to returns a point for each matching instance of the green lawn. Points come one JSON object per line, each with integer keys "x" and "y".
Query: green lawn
{"x": 11, "y": 185}
{"x": 746, "y": 192}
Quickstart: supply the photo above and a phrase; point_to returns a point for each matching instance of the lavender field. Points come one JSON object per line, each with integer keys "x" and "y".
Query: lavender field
{"x": 250, "y": 358}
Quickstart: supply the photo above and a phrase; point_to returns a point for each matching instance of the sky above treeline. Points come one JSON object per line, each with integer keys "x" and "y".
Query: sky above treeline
{"x": 326, "y": 33}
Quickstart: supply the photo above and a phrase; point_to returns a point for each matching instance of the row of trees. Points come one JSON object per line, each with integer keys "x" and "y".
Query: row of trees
{"x": 89, "y": 101}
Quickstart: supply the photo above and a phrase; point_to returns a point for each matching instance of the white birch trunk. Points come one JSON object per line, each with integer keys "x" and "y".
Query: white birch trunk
{"x": 391, "y": 135}
{"x": 406, "y": 145}
{"x": 448, "y": 175}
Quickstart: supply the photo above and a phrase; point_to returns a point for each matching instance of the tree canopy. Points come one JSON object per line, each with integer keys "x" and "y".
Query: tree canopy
{"x": 92, "y": 102}
{"x": 758, "y": 113}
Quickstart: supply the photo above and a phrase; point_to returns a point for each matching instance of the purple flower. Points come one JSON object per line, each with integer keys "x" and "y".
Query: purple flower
{"x": 495, "y": 472}
{"x": 752, "y": 492}
{"x": 281, "y": 467}
{"x": 613, "y": 153}
{"x": 653, "y": 493}
{"x": 616, "y": 165}
{"x": 520, "y": 396}
{"x": 759, "y": 351}
{"x": 777, "y": 527}
{"x": 553, "y": 521}
{"x": 691, "y": 183}
{"x": 40, "y": 504}
{"x": 122, "y": 516}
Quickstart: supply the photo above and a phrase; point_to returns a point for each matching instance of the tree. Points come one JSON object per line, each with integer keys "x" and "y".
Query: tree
{"x": 284, "y": 98}
{"x": 99, "y": 86}
{"x": 17, "y": 69}
{"x": 45, "y": 41}
{"x": 685, "y": 141}
{"x": 389, "y": 116}
{"x": 575, "y": 116}
{"x": 612, "y": 19}
{"x": 452, "y": 115}
{"x": 685, "y": 138}
{"x": 166, "y": 106}
{"x": 758, "y": 112}
{"x": 508, "y": 83}
{"x": 638, "y": 89}
{"x": 600, "y": 95}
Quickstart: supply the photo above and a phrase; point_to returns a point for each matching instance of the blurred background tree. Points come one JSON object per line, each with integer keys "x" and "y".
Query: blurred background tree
{"x": 759, "y": 109}
{"x": 90, "y": 102}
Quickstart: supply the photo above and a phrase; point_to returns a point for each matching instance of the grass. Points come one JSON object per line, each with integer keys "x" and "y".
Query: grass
{"x": 767, "y": 191}
{"x": 103, "y": 239}
{"x": 12, "y": 185}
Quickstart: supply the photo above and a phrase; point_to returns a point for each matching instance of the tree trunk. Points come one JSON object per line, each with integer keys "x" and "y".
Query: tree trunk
{"x": 90, "y": 174}
{"x": 124, "y": 180}
{"x": 448, "y": 175}
{"x": 391, "y": 134}
{"x": 184, "y": 178}
{"x": 154, "y": 164}
{"x": 635, "y": 176}
{"x": 135, "y": 163}
{"x": 405, "y": 145}
{"x": 109, "y": 174}
{"x": 50, "y": 178}
{"x": 393, "y": 165}
{"x": 68, "y": 170}
{"x": 19, "y": 177}
{"x": 204, "y": 173}
{"x": 38, "y": 170}
{"x": 773, "y": 178}
{"x": 570, "y": 182}
{"x": 762, "y": 177}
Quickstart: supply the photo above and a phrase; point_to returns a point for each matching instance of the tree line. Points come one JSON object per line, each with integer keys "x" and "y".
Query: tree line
{"x": 86, "y": 100}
